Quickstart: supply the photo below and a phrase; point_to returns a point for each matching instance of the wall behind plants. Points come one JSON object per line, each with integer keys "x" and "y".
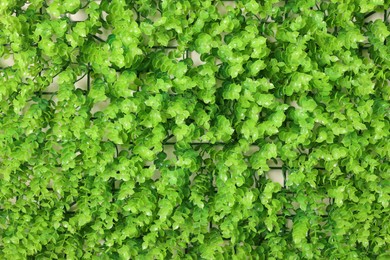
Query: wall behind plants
{"x": 190, "y": 129}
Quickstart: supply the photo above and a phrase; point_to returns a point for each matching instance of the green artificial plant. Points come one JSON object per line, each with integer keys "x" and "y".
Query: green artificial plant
{"x": 145, "y": 129}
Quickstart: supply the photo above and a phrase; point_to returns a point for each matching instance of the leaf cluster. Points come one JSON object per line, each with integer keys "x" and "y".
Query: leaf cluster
{"x": 142, "y": 153}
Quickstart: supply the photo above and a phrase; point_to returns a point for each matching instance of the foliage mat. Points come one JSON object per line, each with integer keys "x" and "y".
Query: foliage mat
{"x": 188, "y": 129}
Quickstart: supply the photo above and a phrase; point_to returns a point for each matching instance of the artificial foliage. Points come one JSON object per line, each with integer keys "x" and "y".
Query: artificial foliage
{"x": 158, "y": 157}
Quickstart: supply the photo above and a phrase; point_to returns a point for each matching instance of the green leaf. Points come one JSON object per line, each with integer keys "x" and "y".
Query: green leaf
{"x": 124, "y": 252}
{"x": 203, "y": 43}
{"x": 97, "y": 92}
{"x": 232, "y": 92}
{"x": 257, "y": 66}
{"x": 300, "y": 230}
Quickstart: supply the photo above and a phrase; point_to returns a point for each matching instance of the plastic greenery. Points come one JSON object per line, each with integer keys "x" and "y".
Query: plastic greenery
{"x": 158, "y": 157}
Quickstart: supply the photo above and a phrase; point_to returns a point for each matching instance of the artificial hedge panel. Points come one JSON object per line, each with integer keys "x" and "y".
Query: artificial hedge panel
{"x": 298, "y": 85}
